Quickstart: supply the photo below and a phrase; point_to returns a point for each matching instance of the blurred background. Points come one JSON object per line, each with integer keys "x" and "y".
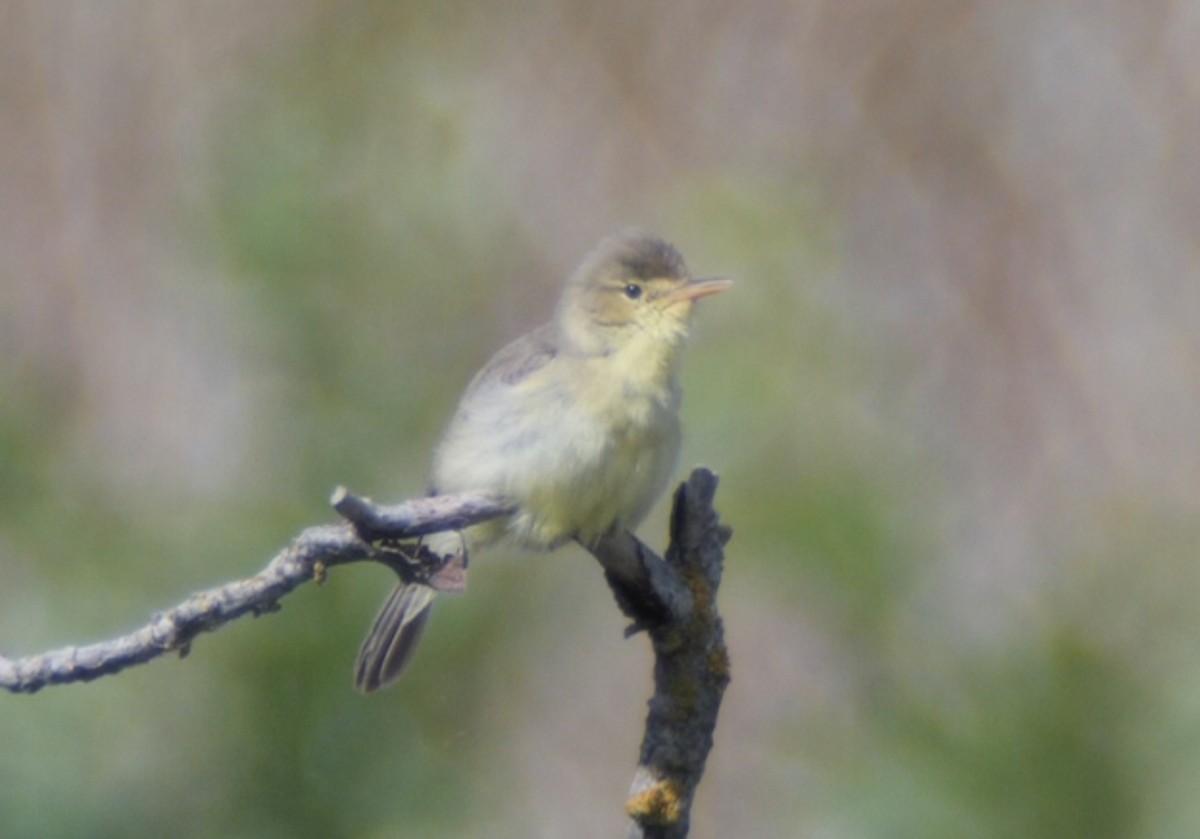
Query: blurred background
{"x": 252, "y": 251}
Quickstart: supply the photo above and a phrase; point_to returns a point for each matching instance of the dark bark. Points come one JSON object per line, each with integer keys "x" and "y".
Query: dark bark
{"x": 673, "y": 600}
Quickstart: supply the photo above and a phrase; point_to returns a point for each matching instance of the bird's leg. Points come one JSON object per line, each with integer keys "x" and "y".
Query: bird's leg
{"x": 415, "y": 562}
{"x": 408, "y": 559}
{"x": 451, "y": 574}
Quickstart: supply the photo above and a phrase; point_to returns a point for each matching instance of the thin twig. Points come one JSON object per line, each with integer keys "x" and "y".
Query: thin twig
{"x": 307, "y": 558}
{"x": 672, "y": 599}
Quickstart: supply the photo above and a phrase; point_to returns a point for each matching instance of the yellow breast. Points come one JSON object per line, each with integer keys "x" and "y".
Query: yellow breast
{"x": 581, "y": 445}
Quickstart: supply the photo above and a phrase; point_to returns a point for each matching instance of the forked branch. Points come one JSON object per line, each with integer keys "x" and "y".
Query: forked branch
{"x": 673, "y": 600}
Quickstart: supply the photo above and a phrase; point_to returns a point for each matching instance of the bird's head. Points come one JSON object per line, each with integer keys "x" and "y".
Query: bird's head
{"x": 632, "y": 289}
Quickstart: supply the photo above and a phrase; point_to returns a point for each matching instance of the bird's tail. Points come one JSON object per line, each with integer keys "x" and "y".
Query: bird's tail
{"x": 393, "y": 638}
{"x": 440, "y": 564}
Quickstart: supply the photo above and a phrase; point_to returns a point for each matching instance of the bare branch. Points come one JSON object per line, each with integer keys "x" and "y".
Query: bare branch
{"x": 672, "y": 599}
{"x": 418, "y": 517}
{"x": 307, "y": 558}
{"x": 675, "y": 601}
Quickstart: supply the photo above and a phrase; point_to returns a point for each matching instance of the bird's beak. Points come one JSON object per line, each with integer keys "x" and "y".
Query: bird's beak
{"x": 695, "y": 289}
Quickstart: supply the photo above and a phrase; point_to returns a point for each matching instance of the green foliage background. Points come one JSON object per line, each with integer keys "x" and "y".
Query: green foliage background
{"x": 252, "y": 251}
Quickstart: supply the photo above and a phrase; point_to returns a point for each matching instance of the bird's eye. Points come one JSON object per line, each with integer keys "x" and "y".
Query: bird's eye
{"x": 633, "y": 291}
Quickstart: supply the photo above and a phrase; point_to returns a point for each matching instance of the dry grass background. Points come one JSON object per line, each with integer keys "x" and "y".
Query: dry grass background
{"x": 251, "y": 251}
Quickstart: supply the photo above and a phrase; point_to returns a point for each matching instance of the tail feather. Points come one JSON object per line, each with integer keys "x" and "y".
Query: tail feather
{"x": 393, "y": 638}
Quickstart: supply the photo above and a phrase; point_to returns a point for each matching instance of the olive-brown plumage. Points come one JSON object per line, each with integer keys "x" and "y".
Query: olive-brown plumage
{"x": 577, "y": 423}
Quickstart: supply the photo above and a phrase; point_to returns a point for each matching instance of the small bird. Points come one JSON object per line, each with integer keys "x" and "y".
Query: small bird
{"x": 576, "y": 424}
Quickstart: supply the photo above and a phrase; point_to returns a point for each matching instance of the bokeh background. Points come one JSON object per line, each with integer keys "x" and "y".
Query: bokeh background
{"x": 249, "y": 251}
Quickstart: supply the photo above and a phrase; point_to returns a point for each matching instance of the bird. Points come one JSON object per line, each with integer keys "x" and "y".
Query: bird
{"x": 575, "y": 424}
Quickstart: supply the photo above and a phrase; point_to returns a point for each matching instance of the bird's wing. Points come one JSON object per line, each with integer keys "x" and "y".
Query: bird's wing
{"x": 490, "y": 414}
{"x": 518, "y": 360}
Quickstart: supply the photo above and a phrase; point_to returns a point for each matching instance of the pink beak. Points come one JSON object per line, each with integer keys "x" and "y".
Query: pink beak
{"x": 696, "y": 289}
